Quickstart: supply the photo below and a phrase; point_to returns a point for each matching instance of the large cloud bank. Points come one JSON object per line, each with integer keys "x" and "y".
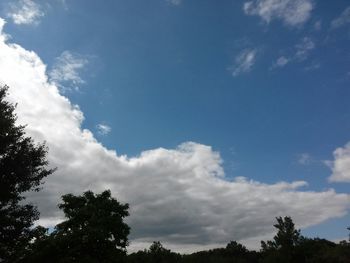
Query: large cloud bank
{"x": 178, "y": 196}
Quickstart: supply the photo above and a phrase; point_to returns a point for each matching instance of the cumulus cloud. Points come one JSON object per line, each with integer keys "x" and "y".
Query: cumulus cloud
{"x": 342, "y": 20}
{"x": 26, "y": 12}
{"x": 244, "y": 62}
{"x": 65, "y": 73}
{"x": 341, "y": 164}
{"x": 291, "y": 12}
{"x": 103, "y": 129}
{"x": 178, "y": 196}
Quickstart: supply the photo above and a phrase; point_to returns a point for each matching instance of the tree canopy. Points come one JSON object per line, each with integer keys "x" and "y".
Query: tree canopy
{"x": 23, "y": 165}
{"x": 94, "y": 231}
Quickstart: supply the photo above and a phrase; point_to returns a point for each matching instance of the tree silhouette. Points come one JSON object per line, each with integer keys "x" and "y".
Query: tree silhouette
{"x": 94, "y": 231}
{"x": 283, "y": 243}
{"x": 235, "y": 248}
{"x": 23, "y": 165}
{"x": 155, "y": 254}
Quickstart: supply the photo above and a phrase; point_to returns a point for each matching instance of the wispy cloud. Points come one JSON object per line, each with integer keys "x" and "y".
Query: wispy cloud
{"x": 291, "y": 12}
{"x": 304, "y": 159}
{"x": 342, "y": 20}
{"x": 174, "y": 2}
{"x": 64, "y": 4}
{"x": 302, "y": 52}
{"x": 318, "y": 25}
{"x": 244, "y": 62}
{"x": 303, "y": 48}
{"x": 313, "y": 66}
{"x": 103, "y": 129}
{"x": 26, "y": 12}
{"x": 66, "y": 70}
{"x": 280, "y": 62}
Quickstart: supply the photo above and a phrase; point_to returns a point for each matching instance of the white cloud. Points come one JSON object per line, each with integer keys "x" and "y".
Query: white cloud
{"x": 243, "y": 62}
{"x": 26, "y": 12}
{"x": 291, "y": 12}
{"x": 65, "y": 72}
{"x": 342, "y": 20}
{"x": 341, "y": 164}
{"x": 178, "y": 196}
{"x": 103, "y": 129}
{"x": 303, "y": 48}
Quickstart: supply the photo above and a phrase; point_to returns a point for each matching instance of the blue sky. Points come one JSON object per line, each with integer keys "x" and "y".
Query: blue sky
{"x": 264, "y": 86}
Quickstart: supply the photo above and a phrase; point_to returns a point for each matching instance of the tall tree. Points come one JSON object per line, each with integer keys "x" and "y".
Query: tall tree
{"x": 23, "y": 165}
{"x": 94, "y": 231}
{"x": 283, "y": 244}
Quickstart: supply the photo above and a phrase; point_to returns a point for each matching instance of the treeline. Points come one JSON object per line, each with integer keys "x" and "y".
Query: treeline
{"x": 287, "y": 246}
{"x": 94, "y": 229}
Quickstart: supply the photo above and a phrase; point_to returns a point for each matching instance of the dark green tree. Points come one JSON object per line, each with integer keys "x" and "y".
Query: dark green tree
{"x": 155, "y": 254}
{"x": 283, "y": 244}
{"x": 94, "y": 231}
{"x": 158, "y": 253}
{"x": 236, "y": 248}
{"x": 23, "y": 165}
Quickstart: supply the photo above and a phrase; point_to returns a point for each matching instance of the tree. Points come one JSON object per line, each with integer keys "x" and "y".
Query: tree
{"x": 23, "y": 165}
{"x": 235, "y": 248}
{"x": 282, "y": 246}
{"x": 156, "y": 253}
{"x": 93, "y": 231}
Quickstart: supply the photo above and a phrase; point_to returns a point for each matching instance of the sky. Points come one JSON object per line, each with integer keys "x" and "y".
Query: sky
{"x": 210, "y": 118}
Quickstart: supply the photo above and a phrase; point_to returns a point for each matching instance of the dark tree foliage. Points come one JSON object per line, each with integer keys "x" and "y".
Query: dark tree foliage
{"x": 235, "y": 248}
{"x": 287, "y": 236}
{"x": 66, "y": 247}
{"x": 287, "y": 246}
{"x": 282, "y": 247}
{"x": 306, "y": 250}
{"x": 290, "y": 246}
{"x": 234, "y": 252}
{"x": 155, "y": 254}
{"x": 23, "y": 165}
{"x": 94, "y": 231}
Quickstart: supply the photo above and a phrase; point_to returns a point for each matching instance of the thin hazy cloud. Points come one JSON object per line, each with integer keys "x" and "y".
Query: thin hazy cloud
{"x": 66, "y": 70}
{"x": 291, "y": 12}
{"x": 342, "y": 20}
{"x": 244, "y": 62}
{"x": 103, "y": 129}
{"x": 26, "y": 12}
